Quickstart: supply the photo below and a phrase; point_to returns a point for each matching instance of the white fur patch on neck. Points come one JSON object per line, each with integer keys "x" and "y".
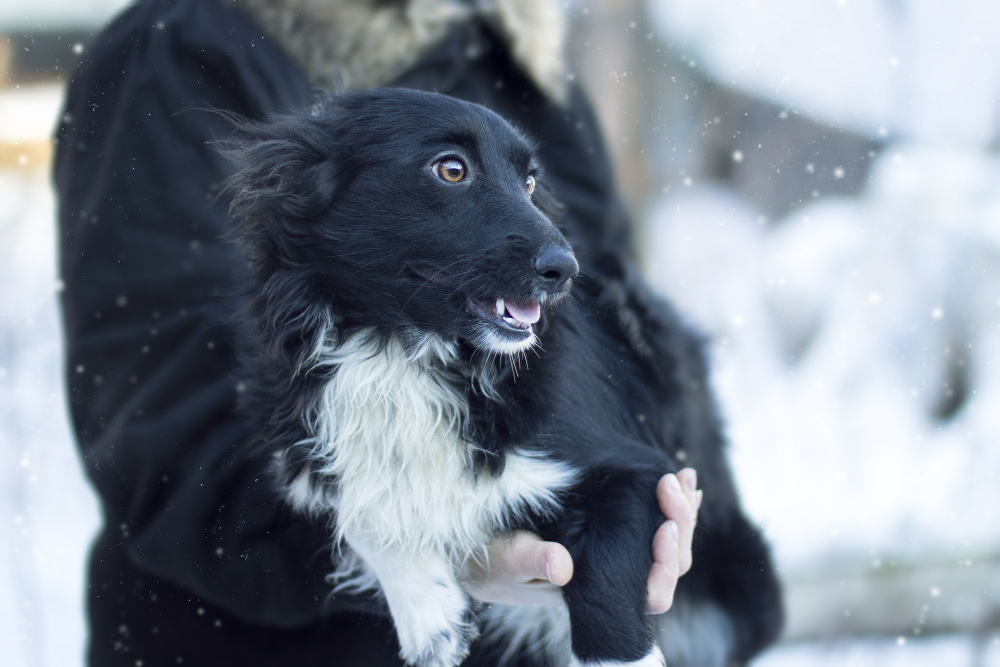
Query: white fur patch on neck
{"x": 387, "y": 447}
{"x": 363, "y": 43}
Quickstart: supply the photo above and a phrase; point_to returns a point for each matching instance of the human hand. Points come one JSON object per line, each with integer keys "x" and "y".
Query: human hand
{"x": 521, "y": 568}
{"x": 679, "y": 500}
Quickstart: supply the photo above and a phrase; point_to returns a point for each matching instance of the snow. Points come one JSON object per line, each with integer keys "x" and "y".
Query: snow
{"x": 918, "y": 68}
{"x": 20, "y": 119}
{"x": 48, "y": 514}
{"x": 839, "y": 333}
{"x": 855, "y": 341}
{"x": 891, "y": 652}
{"x": 32, "y": 14}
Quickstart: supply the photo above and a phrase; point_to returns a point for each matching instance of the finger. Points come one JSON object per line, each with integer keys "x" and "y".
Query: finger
{"x": 559, "y": 563}
{"x": 531, "y": 558}
{"x": 688, "y": 477}
{"x": 515, "y": 571}
{"x": 675, "y": 505}
{"x": 665, "y": 572}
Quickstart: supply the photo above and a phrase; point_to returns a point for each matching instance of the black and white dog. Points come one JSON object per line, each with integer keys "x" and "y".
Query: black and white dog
{"x": 426, "y": 384}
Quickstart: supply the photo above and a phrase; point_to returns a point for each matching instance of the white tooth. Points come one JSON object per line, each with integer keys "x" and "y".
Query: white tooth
{"x": 500, "y": 307}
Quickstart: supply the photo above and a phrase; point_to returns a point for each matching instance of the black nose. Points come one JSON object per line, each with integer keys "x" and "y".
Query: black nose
{"x": 556, "y": 266}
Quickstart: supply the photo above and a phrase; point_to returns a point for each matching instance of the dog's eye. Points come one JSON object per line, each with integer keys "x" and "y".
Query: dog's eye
{"x": 529, "y": 184}
{"x": 450, "y": 170}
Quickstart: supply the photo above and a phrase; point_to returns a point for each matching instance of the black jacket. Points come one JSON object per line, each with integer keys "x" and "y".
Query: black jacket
{"x": 198, "y": 559}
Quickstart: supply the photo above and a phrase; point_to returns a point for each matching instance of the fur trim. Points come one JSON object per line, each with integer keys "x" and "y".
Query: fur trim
{"x": 536, "y": 32}
{"x": 367, "y": 43}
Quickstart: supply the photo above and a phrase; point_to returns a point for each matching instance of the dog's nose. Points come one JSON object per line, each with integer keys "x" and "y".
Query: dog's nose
{"x": 556, "y": 266}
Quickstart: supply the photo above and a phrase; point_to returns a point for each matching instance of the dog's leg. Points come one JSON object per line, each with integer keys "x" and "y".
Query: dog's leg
{"x": 431, "y": 612}
{"x": 614, "y": 524}
{"x": 652, "y": 659}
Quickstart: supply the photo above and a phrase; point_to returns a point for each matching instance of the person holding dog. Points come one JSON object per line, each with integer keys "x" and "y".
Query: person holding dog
{"x": 198, "y": 559}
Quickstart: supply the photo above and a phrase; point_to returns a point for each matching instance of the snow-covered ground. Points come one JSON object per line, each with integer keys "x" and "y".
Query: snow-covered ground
{"x": 48, "y": 513}
{"x": 841, "y": 336}
{"x": 856, "y": 340}
{"x": 953, "y": 651}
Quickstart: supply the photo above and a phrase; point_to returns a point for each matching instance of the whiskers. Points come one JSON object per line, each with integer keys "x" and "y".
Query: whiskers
{"x": 518, "y": 357}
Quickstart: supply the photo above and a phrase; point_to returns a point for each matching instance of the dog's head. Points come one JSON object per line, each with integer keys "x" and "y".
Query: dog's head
{"x": 404, "y": 211}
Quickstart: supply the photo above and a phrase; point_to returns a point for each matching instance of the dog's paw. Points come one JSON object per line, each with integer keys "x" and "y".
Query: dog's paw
{"x": 431, "y": 612}
{"x": 446, "y": 647}
{"x": 653, "y": 659}
{"x": 434, "y": 623}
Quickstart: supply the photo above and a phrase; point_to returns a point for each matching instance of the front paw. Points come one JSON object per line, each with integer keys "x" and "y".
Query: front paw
{"x": 432, "y": 614}
{"x": 427, "y": 646}
{"x": 653, "y": 659}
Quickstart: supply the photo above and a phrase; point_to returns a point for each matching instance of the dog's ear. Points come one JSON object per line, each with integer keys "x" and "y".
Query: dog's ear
{"x": 285, "y": 174}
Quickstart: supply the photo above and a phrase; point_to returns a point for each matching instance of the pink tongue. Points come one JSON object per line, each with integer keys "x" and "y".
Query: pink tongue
{"x": 529, "y": 314}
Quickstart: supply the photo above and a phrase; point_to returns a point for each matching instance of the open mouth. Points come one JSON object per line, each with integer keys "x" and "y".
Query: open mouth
{"x": 510, "y": 321}
{"x": 517, "y": 316}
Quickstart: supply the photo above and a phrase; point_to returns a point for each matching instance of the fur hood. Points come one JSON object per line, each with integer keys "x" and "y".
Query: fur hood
{"x": 367, "y": 43}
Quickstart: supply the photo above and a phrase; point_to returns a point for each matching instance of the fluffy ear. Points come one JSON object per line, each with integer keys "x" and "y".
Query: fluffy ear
{"x": 285, "y": 174}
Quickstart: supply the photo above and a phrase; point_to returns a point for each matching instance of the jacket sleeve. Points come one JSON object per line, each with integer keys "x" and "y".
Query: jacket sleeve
{"x": 149, "y": 360}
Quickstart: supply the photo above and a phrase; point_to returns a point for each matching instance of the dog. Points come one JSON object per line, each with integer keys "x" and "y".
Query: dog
{"x": 431, "y": 368}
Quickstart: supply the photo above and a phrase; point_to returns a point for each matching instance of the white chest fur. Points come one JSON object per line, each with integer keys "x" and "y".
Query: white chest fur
{"x": 387, "y": 430}
{"x": 393, "y": 471}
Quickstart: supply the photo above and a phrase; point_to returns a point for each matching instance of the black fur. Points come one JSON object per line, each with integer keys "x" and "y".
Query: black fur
{"x": 341, "y": 214}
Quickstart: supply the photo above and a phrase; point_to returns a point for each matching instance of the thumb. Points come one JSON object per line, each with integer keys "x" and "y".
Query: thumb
{"x": 530, "y": 557}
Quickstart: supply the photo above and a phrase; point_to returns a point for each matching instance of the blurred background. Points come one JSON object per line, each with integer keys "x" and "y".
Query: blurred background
{"x": 816, "y": 184}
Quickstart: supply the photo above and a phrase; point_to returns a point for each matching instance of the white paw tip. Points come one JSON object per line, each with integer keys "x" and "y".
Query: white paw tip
{"x": 653, "y": 659}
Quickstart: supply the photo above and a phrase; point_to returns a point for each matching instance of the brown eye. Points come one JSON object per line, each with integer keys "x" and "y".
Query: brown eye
{"x": 529, "y": 184}
{"x": 450, "y": 170}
